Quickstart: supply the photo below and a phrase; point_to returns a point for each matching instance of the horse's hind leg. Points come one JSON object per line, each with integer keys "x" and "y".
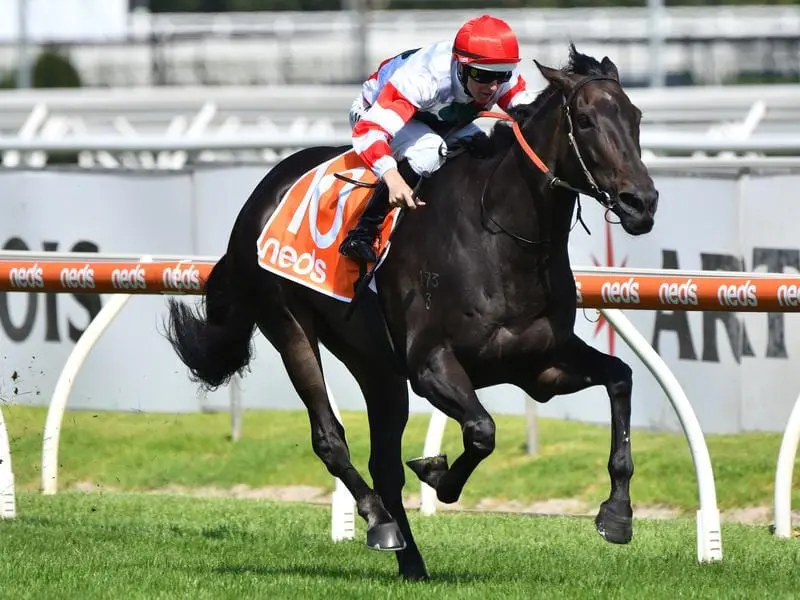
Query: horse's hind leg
{"x": 442, "y": 380}
{"x": 386, "y": 395}
{"x": 299, "y": 349}
{"x": 578, "y": 367}
{"x": 387, "y": 408}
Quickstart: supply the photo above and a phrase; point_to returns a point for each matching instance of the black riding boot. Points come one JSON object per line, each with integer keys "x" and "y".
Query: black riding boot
{"x": 359, "y": 242}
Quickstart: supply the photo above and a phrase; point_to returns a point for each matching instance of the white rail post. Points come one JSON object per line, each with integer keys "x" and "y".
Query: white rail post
{"x": 343, "y": 505}
{"x": 531, "y": 426}
{"x": 433, "y": 445}
{"x": 8, "y": 505}
{"x": 783, "y": 474}
{"x": 709, "y": 537}
{"x": 58, "y": 403}
{"x": 235, "y": 397}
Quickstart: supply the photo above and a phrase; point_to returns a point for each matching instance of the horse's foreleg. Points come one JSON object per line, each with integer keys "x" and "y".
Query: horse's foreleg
{"x": 580, "y": 366}
{"x": 442, "y": 380}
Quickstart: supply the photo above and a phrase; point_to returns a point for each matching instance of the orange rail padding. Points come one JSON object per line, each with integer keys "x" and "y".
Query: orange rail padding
{"x": 179, "y": 277}
{"x": 642, "y": 292}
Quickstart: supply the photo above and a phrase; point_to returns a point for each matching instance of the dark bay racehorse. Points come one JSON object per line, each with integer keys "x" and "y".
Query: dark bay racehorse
{"x": 477, "y": 291}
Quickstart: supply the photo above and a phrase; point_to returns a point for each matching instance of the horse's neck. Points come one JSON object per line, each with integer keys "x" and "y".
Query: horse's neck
{"x": 528, "y": 201}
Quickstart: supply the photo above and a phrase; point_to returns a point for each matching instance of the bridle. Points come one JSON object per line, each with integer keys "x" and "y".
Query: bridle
{"x": 603, "y": 197}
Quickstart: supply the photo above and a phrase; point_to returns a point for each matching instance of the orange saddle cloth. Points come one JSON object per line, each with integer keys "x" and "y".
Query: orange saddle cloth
{"x": 301, "y": 239}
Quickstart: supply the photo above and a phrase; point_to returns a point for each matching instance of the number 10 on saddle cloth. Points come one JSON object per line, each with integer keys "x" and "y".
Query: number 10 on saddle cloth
{"x": 302, "y": 237}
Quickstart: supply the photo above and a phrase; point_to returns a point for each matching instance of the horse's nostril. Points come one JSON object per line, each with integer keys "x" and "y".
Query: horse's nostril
{"x": 633, "y": 202}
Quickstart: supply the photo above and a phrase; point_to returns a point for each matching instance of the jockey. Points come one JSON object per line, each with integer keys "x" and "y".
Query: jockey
{"x": 416, "y": 98}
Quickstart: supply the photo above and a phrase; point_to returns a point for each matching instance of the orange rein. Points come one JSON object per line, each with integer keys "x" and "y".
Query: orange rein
{"x": 521, "y": 140}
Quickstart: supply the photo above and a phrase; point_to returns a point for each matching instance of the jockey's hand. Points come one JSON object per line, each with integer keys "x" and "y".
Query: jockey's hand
{"x": 400, "y": 194}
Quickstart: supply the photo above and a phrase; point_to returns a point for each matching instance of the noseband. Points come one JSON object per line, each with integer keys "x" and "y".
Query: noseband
{"x": 552, "y": 181}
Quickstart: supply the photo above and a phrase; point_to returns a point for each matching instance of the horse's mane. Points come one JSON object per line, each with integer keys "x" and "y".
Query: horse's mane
{"x": 501, "y": 136}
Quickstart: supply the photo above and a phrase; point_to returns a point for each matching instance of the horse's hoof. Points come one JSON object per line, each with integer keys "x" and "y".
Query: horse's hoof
{"x": 615, "y": 528}
{"x": 448, "y": 496}
{"x": 429, "y": 469}
{"x": 386, "y": 536}
{"x": 416, "y": 575}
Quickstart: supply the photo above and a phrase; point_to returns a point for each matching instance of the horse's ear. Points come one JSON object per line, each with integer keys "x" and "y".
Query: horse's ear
{"x": 556, "y": 76}
{"x": 609, "y": 68}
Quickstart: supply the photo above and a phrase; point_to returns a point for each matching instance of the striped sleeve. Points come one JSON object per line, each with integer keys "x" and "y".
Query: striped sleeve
{"x": 514, "y": 92}
{"x": 396, "y": 103}
{"x": 373, "y": 132}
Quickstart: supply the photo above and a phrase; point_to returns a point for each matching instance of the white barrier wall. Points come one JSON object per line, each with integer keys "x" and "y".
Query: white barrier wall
{"x": 736, "y": 369}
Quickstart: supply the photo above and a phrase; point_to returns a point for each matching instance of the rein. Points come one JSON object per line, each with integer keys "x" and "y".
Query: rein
{"x": 553, "y": 181}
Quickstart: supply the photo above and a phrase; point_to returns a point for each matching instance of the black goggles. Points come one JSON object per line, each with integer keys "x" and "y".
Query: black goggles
{"x": 484, "y": 76}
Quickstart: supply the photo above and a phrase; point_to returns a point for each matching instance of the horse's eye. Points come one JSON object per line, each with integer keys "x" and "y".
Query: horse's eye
{"x": 584, "y": 122}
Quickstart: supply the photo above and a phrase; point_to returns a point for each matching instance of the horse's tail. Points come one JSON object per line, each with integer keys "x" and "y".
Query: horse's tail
{"x": 217, "y": 344}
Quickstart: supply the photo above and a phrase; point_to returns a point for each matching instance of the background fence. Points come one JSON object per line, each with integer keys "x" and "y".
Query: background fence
{"x": 686, "y": 44}
{"x": 172, "y": 127}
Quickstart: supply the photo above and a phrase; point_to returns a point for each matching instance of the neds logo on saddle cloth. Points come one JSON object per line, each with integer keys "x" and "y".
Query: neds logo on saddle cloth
{"x": 301, "y": 239}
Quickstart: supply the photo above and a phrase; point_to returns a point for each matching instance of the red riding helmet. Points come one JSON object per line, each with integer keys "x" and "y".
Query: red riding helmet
{"x": 486, "y": 43}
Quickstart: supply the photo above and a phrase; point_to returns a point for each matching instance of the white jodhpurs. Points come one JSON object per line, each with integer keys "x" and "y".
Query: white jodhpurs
{"x": 425, "y": 150}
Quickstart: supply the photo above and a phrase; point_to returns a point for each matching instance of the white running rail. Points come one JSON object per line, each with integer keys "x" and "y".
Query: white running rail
{"x": 58, "y": 403}
{"x": 709, "y": 546}
{"x": 343, "y": 504}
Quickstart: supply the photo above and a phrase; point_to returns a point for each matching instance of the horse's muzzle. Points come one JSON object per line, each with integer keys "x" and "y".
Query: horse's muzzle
{"x": 636, "y": 209}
